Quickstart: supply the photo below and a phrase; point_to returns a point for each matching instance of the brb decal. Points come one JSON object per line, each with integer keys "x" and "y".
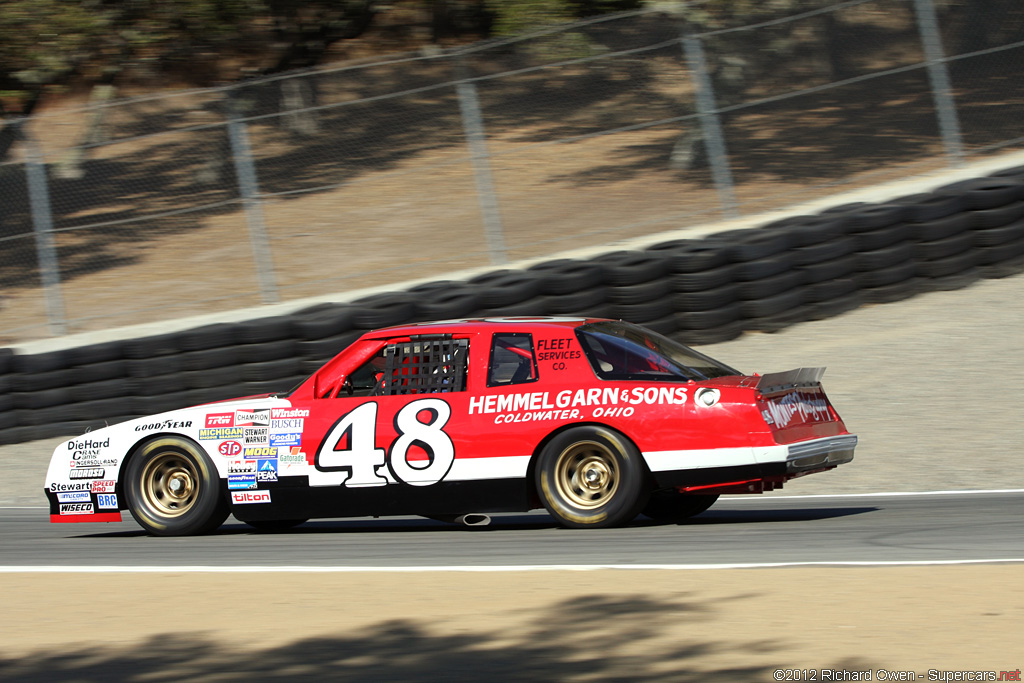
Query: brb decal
{"x": 348, "y": 454}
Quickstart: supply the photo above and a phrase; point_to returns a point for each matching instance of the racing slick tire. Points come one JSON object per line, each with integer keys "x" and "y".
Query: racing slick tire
{"x": 672, "y": 506}
{"x": 591, "y": 477}
{"x": 173, "y": 488}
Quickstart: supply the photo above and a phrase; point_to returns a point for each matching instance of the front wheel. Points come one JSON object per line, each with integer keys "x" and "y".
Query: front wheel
{"x": 173, "y": 488}
{"x": 672, "y": 506}
{"x": 591, "y": 477}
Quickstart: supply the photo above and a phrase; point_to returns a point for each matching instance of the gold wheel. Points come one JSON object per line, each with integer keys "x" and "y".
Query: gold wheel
{"x": 170, "y": 484}
{"x": 587, "y": 474}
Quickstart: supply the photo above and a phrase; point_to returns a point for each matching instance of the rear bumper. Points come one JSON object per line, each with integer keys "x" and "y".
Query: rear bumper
{"x": 820, "y": 453}
{"x": 748, "y": 470}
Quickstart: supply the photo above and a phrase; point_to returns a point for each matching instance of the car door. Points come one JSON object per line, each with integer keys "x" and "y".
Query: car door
{"x": 394, "y": 420}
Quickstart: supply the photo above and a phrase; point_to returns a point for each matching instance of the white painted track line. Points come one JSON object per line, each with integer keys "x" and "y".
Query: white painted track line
{"x": 481, "y": 569}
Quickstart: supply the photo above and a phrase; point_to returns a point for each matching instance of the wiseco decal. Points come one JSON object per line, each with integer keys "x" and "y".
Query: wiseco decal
{"x": 76, "y": 508}
{"x": 240, "y": 497}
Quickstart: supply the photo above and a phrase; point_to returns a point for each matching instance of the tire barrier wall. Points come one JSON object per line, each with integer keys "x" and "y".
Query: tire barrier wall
{"x": 699, "y": 291}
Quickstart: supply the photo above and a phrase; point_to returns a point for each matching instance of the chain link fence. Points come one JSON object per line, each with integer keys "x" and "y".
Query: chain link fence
{"x": 418, "y": 165}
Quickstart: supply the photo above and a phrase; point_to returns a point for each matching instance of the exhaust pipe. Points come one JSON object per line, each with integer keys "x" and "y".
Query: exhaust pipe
{"x": 468, "y": 519}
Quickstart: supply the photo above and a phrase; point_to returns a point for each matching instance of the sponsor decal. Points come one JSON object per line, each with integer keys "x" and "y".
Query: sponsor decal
{"x": 240, "y": 497}
{"x": 252, "y": 418}
{"x": 221, "y": 433}
{"x": 294, "y": 456}
{"x": 103, "y": 486}
{"x": 106, "y": 501}
{"x": 567, "y": 404}
{"x": 74, "y": 497}
{"x": 220, "y": 420}
{"x": 79, "y": 486}
{"x": 88, "y": 444}
{"x": 82, "y": 459}
{"x": 261, "y": 452}
{"x": 266, "y": 471}
{"x": 76, "y": 508}
{"x": 798, "y": 407}
{"x": 556, "y": 350}
{"x": 254, "y": 436}
{"x": 166, "y": 424}
{"x": 241, "y": 481}
{"x": 230, "y": 448}
{"x": 287, "y": 425}
{"x": 242, "y": 467}
{"x": 285, "y": 439}
{"x": 285, "y": 413}
{"x": 88, "y": 473}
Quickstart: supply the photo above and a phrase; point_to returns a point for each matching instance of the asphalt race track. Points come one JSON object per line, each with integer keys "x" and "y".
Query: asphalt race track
{"x": 886, "y": 528}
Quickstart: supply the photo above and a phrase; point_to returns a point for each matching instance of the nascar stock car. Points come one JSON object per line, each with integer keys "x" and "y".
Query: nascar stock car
{"x": 595, "y": 420}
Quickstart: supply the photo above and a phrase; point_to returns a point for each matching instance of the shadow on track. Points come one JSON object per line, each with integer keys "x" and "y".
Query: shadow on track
{"x": 601, "y": 637}
{"x": 506, "y": 523}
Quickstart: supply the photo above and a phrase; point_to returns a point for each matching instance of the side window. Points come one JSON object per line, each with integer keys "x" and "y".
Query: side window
{"x": 424, "y": 366}
{"x": 368, "y": 379}
{"x": 513, "y": 360}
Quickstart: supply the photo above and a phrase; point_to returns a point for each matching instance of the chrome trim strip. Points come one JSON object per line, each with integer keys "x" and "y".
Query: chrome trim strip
{"x": 827, "y": 452}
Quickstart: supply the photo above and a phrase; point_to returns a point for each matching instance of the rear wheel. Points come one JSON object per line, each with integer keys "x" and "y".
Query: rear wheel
{"x": 173, "y": 488}
{"x": 591, "y": 477}
{"x": 672, "y": 506}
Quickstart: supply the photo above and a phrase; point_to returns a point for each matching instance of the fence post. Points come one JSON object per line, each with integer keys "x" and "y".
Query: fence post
{"x": 42, "y": 224}
{"x": 714, "y": 139}
{"x": 241, "y": 153}
{"x": 938, "y": 75}
{"x": 473, "y": 127}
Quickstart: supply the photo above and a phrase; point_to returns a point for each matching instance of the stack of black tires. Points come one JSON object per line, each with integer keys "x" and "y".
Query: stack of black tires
{"x": 699, "y": 291}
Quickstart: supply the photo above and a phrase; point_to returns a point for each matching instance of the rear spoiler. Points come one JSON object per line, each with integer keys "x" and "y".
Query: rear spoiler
{"x": 790, "y": 379}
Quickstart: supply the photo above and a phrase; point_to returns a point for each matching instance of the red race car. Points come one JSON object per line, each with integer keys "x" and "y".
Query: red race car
{"x": 595, "y": 420}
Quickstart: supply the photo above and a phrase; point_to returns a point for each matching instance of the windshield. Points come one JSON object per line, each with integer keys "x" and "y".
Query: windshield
{"x": 619, "y": 350}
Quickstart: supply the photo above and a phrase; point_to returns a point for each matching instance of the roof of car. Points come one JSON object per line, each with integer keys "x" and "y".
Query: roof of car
{"x": 509, "y": 324}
